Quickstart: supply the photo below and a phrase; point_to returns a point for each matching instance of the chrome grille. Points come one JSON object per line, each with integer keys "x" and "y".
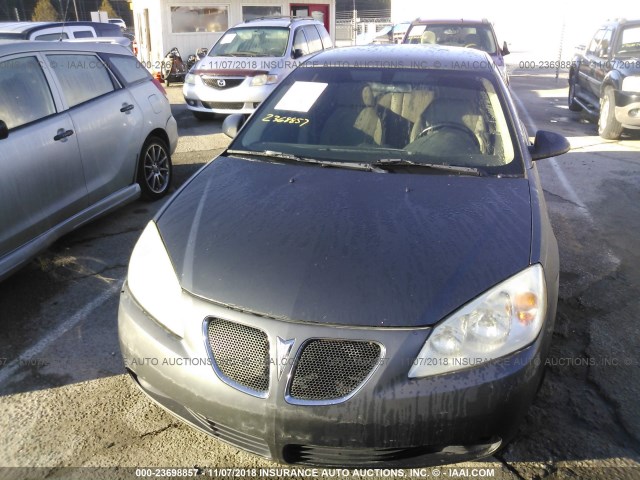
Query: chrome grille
{"x": 332, "y": 369}
{"x": 240, "y": 353}
{"x": 221, "y": 83}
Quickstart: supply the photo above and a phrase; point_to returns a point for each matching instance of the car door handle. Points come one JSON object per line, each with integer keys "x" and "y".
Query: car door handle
{"x": 62, "y": 133}
{"x": 127, "y": 108}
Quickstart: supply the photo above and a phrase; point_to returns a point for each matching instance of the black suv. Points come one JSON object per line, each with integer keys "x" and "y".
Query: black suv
{"x": 604, "y": 78}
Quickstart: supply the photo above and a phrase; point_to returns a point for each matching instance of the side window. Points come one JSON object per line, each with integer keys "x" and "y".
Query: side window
{"x": 51, "y": 37}
{"x": 326, "y": 38}
{"x": 129, "y": 69}
{"x": 82, "y": 77}
{"x": 593, "y": 46}
{"x": 313, "y": 39}
{"x": 603, "y": 49}
{"x": 300, "y": 42}
{"x": 25, "y": 91}
{"x": 83, "y": 34}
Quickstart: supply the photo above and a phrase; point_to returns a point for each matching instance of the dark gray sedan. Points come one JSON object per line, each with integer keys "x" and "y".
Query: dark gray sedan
{"x": 366, "y": 276}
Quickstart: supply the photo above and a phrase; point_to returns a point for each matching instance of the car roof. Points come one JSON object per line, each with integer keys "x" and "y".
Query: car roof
{"x": 23, "y": 27}
{"x": 621, "y": 22}
{"x": 393, "y": 56}
{"x": 452, "y": 21}
{"x": 277, "y": 21}
{"x": 10, "y": 47}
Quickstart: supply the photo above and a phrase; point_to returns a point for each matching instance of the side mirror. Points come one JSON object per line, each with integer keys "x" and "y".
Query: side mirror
{"x": 4, "y": 130}
{"x": 548, "y": 144}
{"x": 232, "y": 124}
{"x": 297, "y": 53}
{"x": 505, "y": 49}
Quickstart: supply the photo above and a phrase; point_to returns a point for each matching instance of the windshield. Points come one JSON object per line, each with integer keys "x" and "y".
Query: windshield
{"x": 630, "y": 41}
{"x": 252, "y": 42}
{"x": 478, "y": 36}
{"x": 371, "y": 115}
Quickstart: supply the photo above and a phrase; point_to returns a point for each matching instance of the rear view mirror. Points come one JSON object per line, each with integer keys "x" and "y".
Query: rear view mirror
{"x": 4, "y": 130}
{"x": 548, "y": 144}
{"x": 505, "y": 49}
{"x": 232, "y": 124}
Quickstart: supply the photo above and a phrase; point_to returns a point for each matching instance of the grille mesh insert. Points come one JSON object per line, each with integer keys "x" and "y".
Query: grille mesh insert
{"x": 332, "y": 369}
{"x": 227, "y": 82}
{"x": 224, "y": 105}
{"x": 241, "y": 353}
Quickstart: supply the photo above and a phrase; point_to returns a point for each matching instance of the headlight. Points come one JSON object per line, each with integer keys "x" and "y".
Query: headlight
{"x": 264, "y": 79}
{"x": 190, "y": 79}
{"x": 631, "y": 84}
{"x": 153, "y": 282}
{"x": 499, "y": 322}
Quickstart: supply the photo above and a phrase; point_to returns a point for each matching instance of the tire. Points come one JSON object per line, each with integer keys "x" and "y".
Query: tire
{"x": 155, "y": 171}
{"x": 573, "y": 105}
{"x": 203, "y": 116}
{"x": 608, "y": 127}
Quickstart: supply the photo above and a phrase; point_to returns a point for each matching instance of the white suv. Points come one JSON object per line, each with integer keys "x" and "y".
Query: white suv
{"x": 248, "y": 61}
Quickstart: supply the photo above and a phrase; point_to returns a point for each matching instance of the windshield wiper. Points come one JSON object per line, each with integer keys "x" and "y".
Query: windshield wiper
{"x": 295, "y": 158}
{"x": 400, "y": 162}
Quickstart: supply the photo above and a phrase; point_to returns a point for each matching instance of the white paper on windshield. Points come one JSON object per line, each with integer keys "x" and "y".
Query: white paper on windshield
{"x": 228, "y": 38}
{"x": 301, "y": 96}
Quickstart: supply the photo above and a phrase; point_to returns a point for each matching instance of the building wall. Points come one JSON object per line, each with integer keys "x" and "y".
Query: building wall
{"x": 161, "y": 31}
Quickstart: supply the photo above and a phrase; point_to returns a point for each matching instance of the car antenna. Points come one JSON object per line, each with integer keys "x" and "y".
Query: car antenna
{"x": 64, "y": 19}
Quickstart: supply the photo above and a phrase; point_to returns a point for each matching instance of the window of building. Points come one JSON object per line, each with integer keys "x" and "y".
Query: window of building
{"x": 249, "y": 12}
{"x": 199, "y": 19}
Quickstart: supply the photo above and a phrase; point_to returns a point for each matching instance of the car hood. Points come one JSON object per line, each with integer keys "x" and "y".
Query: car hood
{"x": 346, "y": 247}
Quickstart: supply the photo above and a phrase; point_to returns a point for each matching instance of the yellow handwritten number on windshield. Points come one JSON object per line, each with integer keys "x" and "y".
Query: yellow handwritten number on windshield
{"x": 301, "y": 122}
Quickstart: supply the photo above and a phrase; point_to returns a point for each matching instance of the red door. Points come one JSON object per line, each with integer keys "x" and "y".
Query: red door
{"x": 319, "y": 12}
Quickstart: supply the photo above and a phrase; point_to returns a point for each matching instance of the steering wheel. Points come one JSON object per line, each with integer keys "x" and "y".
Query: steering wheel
{"x": 450, "y": 126}
{"x": 471, "y": 45}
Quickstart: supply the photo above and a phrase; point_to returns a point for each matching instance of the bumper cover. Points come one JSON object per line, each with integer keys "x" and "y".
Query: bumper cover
{"x": 391, "y": 421}
{"x": 627, "y": 108}
{"x": 241, "y": 99}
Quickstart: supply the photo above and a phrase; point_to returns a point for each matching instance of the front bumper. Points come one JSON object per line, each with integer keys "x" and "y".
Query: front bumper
{"x": 391, "y": 421}
{"x": 627, "y": 108}
{"x": 241, "y": 99}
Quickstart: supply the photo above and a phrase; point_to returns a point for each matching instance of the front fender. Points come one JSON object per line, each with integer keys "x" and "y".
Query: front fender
{"x": 612, "y": 79}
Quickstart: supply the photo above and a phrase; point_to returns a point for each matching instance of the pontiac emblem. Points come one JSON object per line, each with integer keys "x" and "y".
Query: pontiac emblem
{"x": 283, "y": 348}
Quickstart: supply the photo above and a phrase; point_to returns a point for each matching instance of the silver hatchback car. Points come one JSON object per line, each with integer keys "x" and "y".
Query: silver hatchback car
{"x": 84, "y": 128}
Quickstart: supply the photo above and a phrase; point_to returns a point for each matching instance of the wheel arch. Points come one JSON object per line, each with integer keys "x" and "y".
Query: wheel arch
{"x": 612, "y": 79}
